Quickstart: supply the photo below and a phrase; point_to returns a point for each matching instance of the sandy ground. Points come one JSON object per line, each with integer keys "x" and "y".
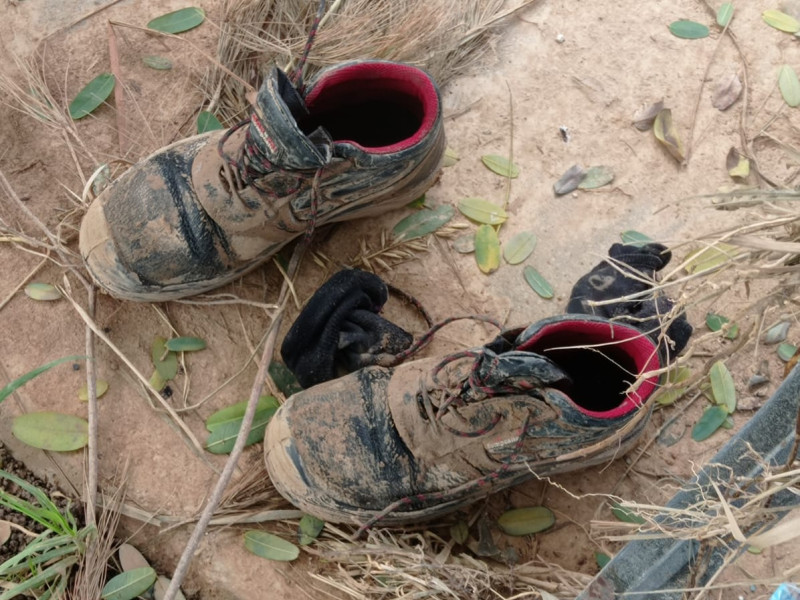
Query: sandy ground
{"x": 613, "y": 58}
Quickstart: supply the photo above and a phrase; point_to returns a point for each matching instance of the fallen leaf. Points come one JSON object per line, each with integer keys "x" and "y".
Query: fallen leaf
{"x": 178, "y": 21}
{"x": 130, "y": 558}
{"x": 92, "y": 95}
{"x": 724, "y": 14}
{"x": 51, "y": 431}
{"x": 159, "y": 63}
{"x": 602, "y": 559}
{"x": 17, "y": 383}
{"x": 710, "y": 258}
{"x": 570, "y": 180}
{"x": 780, "y": 20}
{"x": 789, "y": 86}
{"x": 235, "y": 412}
{"x": 284, "y": 379}
{"x": 5, "y": 532}
{"x": 666, "y": 133}
{"x": 596, "y": 177}
{"x": 101, "y": 388}
{"x": 711, "y": 420}
{"x": 715, "y": 322}
{"x": 525, "y": 521}
{"x": 460, "y": 531}
{"x": 786, "y": 351}
{"x": 185, "y": 344}
{"x": 500, "y": 165}
{"x": 165, "y": 362}
{"x": 450, "y": 157}
{"x": 635, "y": 238}
{"x": 464, "y": 244}
{"x": 688, "y": 30}
{"x": 269, "y": 546}
{"x": 42, "y": 291}
{"x": 423, "y": 222}
{"x": 777, "y": 333}
{"x": 643, "y": 119}
{"x": 625, "y": 515}
{"x": 487, "y": 249}
{"x": 161, "y": 586}
{"x": 223, "y": 438}
{"x": 129, "y": 584}
{"x": 737, "y": 165}
{"x": 538, "y": 283}
{"x": 482, "y": 211}
{"x": 206, "y": 122}
{"x": 309, "y": 529}
{"x": 519, "y": 247}
{"x": 729, "y": 88}
{"x": 722, "y": 386}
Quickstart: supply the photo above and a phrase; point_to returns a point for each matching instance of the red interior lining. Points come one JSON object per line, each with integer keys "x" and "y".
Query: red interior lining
{"x": 627, "y": 341}
{"x": 403, "y": 83}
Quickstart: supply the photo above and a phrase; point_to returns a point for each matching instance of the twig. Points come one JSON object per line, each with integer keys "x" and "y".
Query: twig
{"x": 119, "y": 90}
{"x": 247, "y": 420}
{"x": 91, "y": 383}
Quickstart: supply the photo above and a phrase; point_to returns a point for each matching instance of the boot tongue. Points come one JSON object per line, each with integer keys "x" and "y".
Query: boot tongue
{"x": 276, "y": 133}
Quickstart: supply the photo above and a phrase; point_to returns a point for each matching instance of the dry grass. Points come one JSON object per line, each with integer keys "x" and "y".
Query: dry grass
{"x": 443, "y": 36}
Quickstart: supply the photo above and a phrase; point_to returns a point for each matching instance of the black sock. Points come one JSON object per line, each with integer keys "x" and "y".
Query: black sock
{"x": 340, "y": 330}
{"x": 631, "y": 270}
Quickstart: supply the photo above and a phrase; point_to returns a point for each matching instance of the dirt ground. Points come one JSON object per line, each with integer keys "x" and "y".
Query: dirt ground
{"x": 584, "y": 66}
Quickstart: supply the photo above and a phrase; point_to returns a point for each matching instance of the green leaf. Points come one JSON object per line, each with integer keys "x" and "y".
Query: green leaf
{"x": 569, "y": 181}
{"x": 235, "y": 412}
{"x": 309, "y": 529}
{"x": 51, "y": 431}
{"x": 724, "y": 14}
{"x": 715, "y": 322}
{"x": 101, "y": 388}
{"x": 269, "y": 546}
{"x": 418, "y": 203}
{"x": 626, "y": 515}
{"x": 423, "y": 222}
{"x": 487, "y": 249}
{"x": 732, "y": 332}
{"x": 206, "y": 121}
{"x": 780, "y": 20}
{"x": 92, "y": 96}
{"x": 459, "y": 532}
{"x": 668, "y": 397}
{"x": 602, "y": 559}
{"x": 185, "y": 344}
{"x": 450, "y": 157}
{"x": 165, "y": 362}
{"x": 538, "y": 283}
{"x": 710, "y": 258}
{"x": 786, "y": 351}
{"x": 158, "y": 382}
{"x": 789, "y": 85}
{"x": 23, "y": 379}
{"x": 42, "y": 291}
{"x": 482, "y": 211}
{"x": 596, "y": 177}
{"x": 223, "y": 438}
{"x": 688, "y": 30}
{"x": 500, "y": 165}
{"x": 178, "y": 21}
{"x": 722, "y": 386}
{"x": 678, "y": 375}
{"x": 711, "y": 420}
{"x": 634, "y": 238}
{"x": 524, "y": 521}
{"x": 129, "y": 584}
{"x": 285, "y": 380}
{"x": 464, "y": 244}
{"x": 519, "y": 247}
{"x": 159, "y": 63}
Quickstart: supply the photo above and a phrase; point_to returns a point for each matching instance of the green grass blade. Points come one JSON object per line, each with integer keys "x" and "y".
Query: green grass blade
{"x": 20, "y": 381}
{"x": 60, "y": 568}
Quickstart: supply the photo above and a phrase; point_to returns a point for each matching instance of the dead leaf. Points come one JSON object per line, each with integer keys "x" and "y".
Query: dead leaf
{"x": 644, "y": 117}
{"x": 570, "y": 180}
{"x": 737, "y": 165}
{"x": 729, "y": 88}
{"x": 5, "y": 532}
{"x": 665, "y": 132}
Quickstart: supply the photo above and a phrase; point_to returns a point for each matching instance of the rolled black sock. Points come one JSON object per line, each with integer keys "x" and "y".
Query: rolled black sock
{"x": 630, "y": 271}
{"x": 340, "y": 330}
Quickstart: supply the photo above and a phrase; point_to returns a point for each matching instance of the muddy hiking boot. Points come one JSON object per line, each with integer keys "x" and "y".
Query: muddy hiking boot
{"x": 364, "y": 137}
{"x": 400, "y": 445}
{"x": 413, "y": 442}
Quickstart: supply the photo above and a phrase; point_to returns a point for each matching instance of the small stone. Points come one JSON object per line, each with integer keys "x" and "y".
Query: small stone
{"x": 560, "y": 38}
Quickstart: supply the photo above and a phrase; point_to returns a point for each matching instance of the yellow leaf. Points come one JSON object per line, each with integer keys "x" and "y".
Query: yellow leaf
{"x": 666, "y": 133}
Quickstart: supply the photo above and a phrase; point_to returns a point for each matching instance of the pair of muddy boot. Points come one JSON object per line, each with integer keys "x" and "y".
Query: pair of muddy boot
{"x": 390, "y": 444}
